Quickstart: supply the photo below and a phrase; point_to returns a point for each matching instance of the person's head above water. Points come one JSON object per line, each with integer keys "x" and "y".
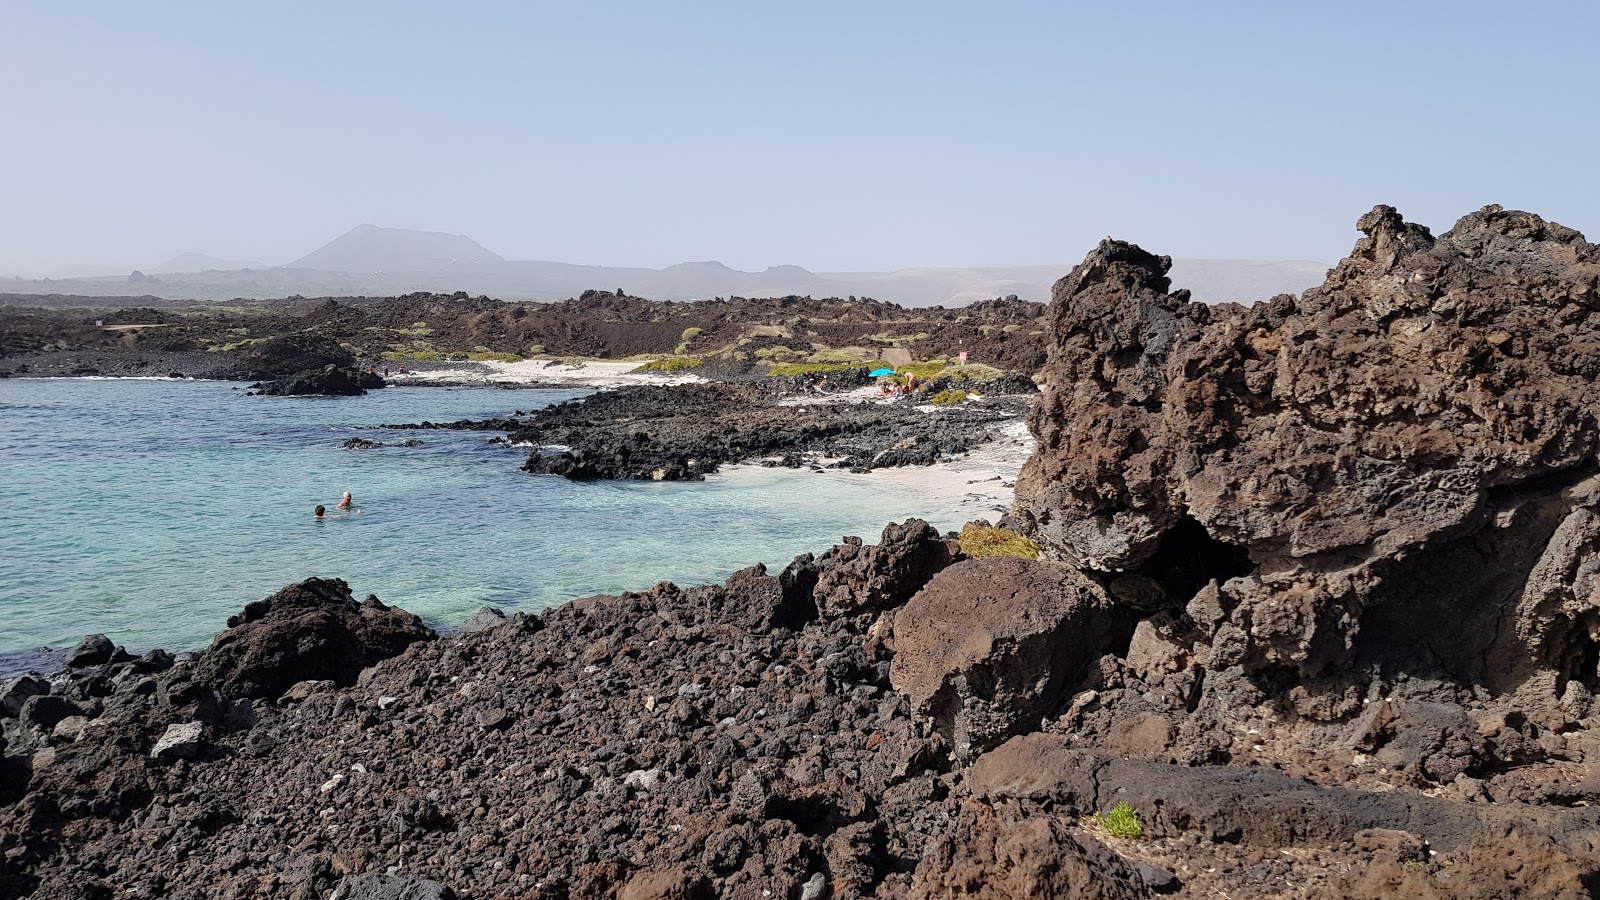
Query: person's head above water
{"x": 346, "y": 500}
{"x": 320, "y": 511}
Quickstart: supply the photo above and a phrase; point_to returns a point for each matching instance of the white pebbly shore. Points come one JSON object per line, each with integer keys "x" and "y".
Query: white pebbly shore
{"x": 542, "y": 372}
{"x": 979, "y": 485}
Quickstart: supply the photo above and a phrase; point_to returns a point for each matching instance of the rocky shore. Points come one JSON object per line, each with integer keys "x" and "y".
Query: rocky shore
{"x": 685, "y": 432}
{"x": 1315, "y": 616}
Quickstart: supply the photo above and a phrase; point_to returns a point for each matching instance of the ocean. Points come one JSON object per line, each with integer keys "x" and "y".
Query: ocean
{"x": 152, "y": 509}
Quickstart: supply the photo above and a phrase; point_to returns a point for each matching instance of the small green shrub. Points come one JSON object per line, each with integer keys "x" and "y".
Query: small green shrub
{"x": 425, "y": 355}
{"x": 976, "y": 372}
{"x": 1121, "y": 822}
{"x": 836, "y": 356}
{"x": 690, "y": 334}
{"x": 977, "y": 540}
{"x": 925, "y": 371}
{"x": 950, "y": 398}
{"x": 806, "y": 368}
{"x": 671, "y": 364}
{"x": 493, "y": 356}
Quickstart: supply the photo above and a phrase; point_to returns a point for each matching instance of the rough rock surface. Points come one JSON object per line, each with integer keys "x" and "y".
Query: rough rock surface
{"x": 1390, "y": 693}
{"x": 287, "y": 354}
{"x": 856, "y": 578}
{"x": 990, "y": 646}
{"x": 328, "y": 381}
{"x": 1382, "y": 489}
{"x": 311, "y": 631}
{"x": 686, "y": 431}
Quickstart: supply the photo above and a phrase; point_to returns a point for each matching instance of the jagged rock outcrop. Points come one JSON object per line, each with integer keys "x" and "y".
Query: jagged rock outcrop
{"x": 311, "y": 631}
{"x": 1387, "y": 479}
{"x": 291, "y": 353}
{"x": 856, "y": 578}
{"x": 328, "y": 381}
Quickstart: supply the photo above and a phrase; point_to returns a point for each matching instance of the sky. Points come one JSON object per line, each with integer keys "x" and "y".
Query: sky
{"x": 851, "y": 136}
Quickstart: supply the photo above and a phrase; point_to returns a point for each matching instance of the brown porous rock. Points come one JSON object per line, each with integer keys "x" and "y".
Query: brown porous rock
{"x": 311, "y": 631}
{"x": 1382, "y": 490}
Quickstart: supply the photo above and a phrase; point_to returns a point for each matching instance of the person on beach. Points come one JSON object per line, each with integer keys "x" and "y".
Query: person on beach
{"x": 322, "y": 512}
{"x": 346, "y": 501}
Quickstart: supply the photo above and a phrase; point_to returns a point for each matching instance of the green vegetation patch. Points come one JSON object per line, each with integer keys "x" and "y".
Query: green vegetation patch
{"x": 808, "y": 368}
{"x": 976, "y": 372}
{"x": 1121, "y": 821}
{"x": 847, "y": 355}
{"x": 979, "y": 540}
{"x": 950, "y": 398}
{"x": 493, "y": 356}
{"x": 671, "y": 364}
{"x": 925, "y": 371}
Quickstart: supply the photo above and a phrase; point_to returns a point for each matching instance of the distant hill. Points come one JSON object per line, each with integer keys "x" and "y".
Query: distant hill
{"x": 368, "y": 248}
{"x": 376, "y": 262}
{"x": 185, "y": 263}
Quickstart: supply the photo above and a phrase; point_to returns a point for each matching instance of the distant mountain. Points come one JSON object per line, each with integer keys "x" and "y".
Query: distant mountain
{"x": 185, "y": 263}
{"x": 375, "y": 262}
{"x": 368, "y": 248}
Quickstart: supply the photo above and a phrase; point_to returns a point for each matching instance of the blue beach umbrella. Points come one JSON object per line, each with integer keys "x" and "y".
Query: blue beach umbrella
{"x": 876, "y": 372}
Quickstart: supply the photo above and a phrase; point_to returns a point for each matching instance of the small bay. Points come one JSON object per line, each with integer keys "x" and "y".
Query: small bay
{"x": 151, "y": 510}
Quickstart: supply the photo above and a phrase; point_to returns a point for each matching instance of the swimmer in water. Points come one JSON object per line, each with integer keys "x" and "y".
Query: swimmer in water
{"x": 346, "y": 501}
{"x": 321, "y": 512}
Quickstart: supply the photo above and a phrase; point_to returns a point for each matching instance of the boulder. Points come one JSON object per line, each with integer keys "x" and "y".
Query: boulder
{"x": 483, "y": 620}
{"x": 990, "y": 646}
{"x": 279, "y": 356}
{"x": 855, "y": 578}
{"x": 992, "y": 858}
{"x": 16, "y": 691}
{"x": 43, "y": 711}
{"x": 183, "y": 741}
{"x": 307, "y": 631}
{"x": 94, "y": 650}
{"x": 328, "y": 381}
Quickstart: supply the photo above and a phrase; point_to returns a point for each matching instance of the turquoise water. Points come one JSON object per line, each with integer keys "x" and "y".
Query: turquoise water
{"x": 151, "y": 510}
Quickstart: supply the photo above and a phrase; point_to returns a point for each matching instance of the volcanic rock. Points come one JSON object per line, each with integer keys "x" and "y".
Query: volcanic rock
{"x": 685, "y": 432}
{"x": 990, "y": 646}
{"x": 311, "y": 630}
{"x": 179, "y": 741}
{"x": 853, "y": 578}
{"x": 287, "y": 354}
{"x": 329, "y": 381}
{"x": 94, "y": 650}
{"x": 1385, "y": 485}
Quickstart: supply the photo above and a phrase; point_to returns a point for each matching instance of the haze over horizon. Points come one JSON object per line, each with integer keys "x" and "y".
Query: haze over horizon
{"x": 834, "y": 137}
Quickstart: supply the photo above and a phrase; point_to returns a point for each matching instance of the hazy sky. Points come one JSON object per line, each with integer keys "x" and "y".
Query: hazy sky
{"x": 836, "y": 136}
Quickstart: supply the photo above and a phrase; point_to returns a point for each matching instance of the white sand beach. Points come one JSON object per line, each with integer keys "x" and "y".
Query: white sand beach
{"x": 545, "y": 372}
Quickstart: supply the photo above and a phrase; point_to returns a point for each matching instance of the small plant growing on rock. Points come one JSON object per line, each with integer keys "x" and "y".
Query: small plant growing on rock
{"x": 982, "y": 540}
{"x": 671, "y": 364}
{"x": 1121, "y": 821}
{"x": 950, "y": 398}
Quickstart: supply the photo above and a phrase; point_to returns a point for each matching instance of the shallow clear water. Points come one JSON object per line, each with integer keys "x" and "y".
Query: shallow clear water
{"x": 151, "y": 510}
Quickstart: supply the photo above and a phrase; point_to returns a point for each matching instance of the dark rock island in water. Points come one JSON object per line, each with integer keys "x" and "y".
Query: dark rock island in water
{"x": 1316, "y": 616}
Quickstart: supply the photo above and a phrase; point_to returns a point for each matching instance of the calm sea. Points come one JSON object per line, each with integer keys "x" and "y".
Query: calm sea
{"x": 151, "y": 510}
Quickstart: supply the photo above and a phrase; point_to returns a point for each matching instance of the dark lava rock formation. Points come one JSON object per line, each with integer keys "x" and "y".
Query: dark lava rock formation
{"x": 328, "y": 381}
{"x": 1380, "y": 494}
{"x": 1318, "y": 604}
{"x": 312, "y": 631}
{"x": 686, "y": 432}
